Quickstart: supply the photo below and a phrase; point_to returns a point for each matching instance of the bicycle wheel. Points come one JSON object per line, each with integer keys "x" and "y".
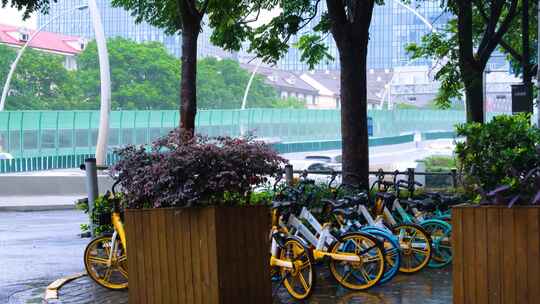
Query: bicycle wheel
{"x": 415, "y": 245}
{"x": 441, "y": 235}
{"x": 392, "y": 257}
{"x": 300, "y": 280}
{"x": 363, "y": 274}
{"x": 106, "y": 263}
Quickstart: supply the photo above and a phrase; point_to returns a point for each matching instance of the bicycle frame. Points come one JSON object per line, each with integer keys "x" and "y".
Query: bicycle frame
{"x": 274, "y": 248}
{"x": 118, "y": 231}
{"x": 319, "y": 243}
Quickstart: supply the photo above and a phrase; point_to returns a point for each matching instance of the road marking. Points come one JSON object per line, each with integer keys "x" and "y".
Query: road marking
{"x": 51, "y": 292}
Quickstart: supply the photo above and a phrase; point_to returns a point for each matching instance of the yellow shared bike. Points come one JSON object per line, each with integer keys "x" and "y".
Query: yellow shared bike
{"x": 105, "y": 257}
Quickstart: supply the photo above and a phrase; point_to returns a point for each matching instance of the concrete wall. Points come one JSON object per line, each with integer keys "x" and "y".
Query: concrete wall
{"x": 19, "y": 185}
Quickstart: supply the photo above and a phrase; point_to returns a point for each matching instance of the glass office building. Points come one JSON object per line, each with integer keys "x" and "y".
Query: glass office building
{"x": 117, "y": 22}
{"x": 393, "y": 26}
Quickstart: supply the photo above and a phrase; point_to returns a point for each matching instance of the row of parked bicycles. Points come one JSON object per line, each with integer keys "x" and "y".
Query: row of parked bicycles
{"x": 366, "y": 236}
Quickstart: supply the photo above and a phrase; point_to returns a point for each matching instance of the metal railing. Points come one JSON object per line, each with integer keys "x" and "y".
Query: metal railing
{"x": 411, "y": 174}
{"x": 35, "y": 133}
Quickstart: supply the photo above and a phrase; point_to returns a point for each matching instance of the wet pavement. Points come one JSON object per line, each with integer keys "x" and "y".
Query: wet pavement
{"x": 427, "y": 287}
{"x": 36, "y": 248}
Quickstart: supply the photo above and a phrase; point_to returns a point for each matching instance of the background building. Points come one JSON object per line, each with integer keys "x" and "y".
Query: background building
{"x": 118, "y": 22}
{"x": 392, "y": 28}
{"x": 67, "y": 46}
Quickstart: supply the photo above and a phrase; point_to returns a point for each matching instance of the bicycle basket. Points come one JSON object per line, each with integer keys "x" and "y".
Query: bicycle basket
{"x": 104, "y": 219}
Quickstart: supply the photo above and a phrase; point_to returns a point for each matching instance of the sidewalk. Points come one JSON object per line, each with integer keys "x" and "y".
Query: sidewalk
{"x": 427, "y": 287}
{"x": 38, "y": 203}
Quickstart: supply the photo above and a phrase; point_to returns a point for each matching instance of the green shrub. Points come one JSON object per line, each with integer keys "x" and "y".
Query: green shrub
{"x": 493, "y": 150}
{"x": 439, "y": 163}
{"x": 183, "y": 171}
{"x": 102, "y": 209}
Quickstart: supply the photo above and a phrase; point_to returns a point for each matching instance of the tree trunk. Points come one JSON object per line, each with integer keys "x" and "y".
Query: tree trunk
{"x": 474, "y": 94}
{"x": 470, "y": 68}
{"x": 350, "y": 28}
{"x": 188, "y": 90}
{"x": 354, "y": 129}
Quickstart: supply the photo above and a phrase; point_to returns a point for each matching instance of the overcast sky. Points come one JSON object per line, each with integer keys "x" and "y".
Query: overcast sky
{"x": 11, "y": 16}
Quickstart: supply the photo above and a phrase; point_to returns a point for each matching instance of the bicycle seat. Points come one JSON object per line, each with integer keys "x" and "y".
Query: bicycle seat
{"x": 385, "y": 195}
{"x": 340, "y": 203}
{"x": 281, "y": 204}
{"x": 348, "y": 213}
{"x": 425, "y": 205}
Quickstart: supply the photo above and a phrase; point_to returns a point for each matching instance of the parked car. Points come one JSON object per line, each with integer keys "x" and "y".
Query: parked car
{"x": 332, "y": 161}
{"x": 315, "y": 166}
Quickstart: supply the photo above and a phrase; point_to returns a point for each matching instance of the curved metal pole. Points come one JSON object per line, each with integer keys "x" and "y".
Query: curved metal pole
{"x": 246, "y": 91}
{"x": 422, "y": 18}
{"x": 105, "y": 80}
{"x": 21, "y": 51}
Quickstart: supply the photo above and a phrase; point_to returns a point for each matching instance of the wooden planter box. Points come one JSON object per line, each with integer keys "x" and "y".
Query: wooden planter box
{"x": 496, "y": 254}
{"x": 199, "y": 255}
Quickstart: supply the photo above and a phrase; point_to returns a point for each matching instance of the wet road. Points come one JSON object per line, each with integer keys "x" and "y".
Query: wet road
{"x": 35, "y": 249}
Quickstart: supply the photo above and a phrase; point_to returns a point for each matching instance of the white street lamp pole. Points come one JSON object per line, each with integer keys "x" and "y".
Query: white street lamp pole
{"x": 422, "y": 18}
{"x": 430, "y": 27}
{"x": 23, "y": 48}
{"x": 244, "y": 100}
{"x": 105, "y": 80}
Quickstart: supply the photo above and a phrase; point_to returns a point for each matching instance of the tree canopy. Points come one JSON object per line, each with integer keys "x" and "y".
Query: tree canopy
{"x": 40, "y": 81}
{"x": 143, "y": 76}
{"x": 464, "y": 46}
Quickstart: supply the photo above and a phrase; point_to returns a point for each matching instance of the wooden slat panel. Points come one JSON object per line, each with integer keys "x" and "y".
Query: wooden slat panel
{"x": 262, "y": 225}
{"x": 229, "y": 255}
{"x": 179, "y": 235}
{"x": 147, "y": 253}
{"x": 533, "y": 234}
{"x": 178, "y": 253}
{"x": 480, "y": 252}
{"x": 156, "y": 257}
{"x": 204, "y": 218}
{"x": 195, "y": 236}
{"x": 224, "y": 268}
{"x": 508, "y": 260}
{"x": 469, "y": 271}
{"x": 170, "y": 243}
{"x": 244, "y": 266}
{"x": 140, "y": 255}
{"x": 457, "y": 247}
{"x": 163, "y": 258}
{"x": 135, "y": 290}
{"x": 494, "y": 255}
{"x": 521, "y": 254}
{"x": 250, "y": 239}
{"x": 186, "y": 251}
{"x": 213, "y": 276}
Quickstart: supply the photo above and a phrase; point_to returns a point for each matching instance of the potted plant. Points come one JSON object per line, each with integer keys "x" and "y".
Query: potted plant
{"x": 193, "y": 235}
{"x": 496, "y": 241}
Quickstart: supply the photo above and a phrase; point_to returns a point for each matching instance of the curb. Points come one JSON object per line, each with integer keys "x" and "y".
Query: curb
{"x": 51, "y": 293}
{"x": 31, "y": 208}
